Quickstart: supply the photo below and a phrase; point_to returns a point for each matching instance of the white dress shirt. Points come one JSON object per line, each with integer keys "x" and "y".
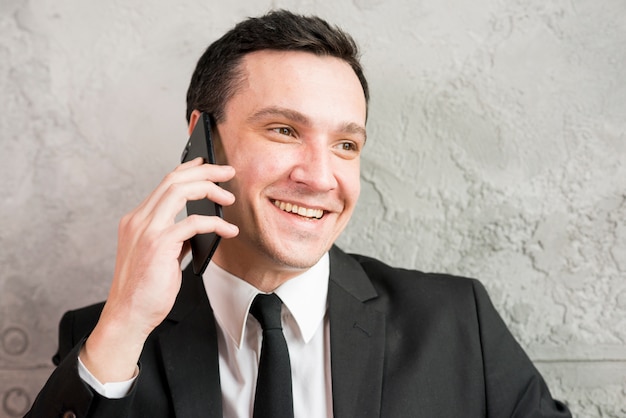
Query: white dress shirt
{"x": 239, "y": 336}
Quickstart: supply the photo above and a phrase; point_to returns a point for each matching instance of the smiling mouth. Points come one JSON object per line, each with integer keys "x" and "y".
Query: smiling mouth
{"x": 299, "y": 210}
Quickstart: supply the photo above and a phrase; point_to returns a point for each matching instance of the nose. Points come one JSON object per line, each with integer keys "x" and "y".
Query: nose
{"x": 314, "y": 168}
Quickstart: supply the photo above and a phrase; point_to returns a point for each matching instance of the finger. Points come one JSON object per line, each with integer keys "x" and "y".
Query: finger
{"x": 191, "y": 163}
{"x": 158, "y": 191}
{"x": 174, "y": 199}
{"x": 209, "y": 172}
{"x": 194, "y": 162}
{"x": 197, "y": 224}
{"x": 191, "y": 172}
{"x": 162, "y": 206}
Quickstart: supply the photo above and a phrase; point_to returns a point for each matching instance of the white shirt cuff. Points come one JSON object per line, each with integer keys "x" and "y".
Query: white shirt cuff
{"x": 112, "y": 390}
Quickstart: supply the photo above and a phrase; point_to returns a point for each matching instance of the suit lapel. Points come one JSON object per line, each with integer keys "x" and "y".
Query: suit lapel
{"x": 190, "y": 354}
{"x": 357, "y": 340}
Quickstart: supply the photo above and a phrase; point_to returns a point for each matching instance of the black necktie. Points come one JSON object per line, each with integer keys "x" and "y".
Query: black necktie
{"x": 273, "y": 398}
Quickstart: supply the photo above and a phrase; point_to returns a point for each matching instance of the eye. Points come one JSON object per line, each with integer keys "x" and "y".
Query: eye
{"x": 348, "y": 146}
{"x": 283, "y": 130}
{"x": 348, "y": 149}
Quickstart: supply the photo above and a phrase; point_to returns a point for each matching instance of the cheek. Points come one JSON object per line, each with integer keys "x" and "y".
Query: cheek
{"x": 350, "y": 179}
{"x": 257, "y": 170}
{"x": 263, "y": 167}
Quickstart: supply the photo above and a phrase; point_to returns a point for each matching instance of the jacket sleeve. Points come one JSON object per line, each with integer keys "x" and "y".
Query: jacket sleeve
{"x": 514, "y": 387}
{"x": 65, "y": 393}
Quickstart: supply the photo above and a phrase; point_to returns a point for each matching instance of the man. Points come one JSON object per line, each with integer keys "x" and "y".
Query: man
{"x": 289, "y": 100}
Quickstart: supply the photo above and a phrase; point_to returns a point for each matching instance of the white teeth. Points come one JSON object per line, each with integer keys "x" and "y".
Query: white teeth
{"x": 306, "y": 212}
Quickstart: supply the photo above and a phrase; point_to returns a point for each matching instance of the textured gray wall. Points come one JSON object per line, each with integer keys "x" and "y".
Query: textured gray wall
{"x": 497, "y": 150}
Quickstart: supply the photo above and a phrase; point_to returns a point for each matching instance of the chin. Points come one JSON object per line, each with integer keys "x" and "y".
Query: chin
{"x": 298, "y": 257}
{"x": 296, "y": 262}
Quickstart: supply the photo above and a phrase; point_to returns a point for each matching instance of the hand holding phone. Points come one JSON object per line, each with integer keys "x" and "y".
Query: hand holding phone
{"x": 200, "y": 144}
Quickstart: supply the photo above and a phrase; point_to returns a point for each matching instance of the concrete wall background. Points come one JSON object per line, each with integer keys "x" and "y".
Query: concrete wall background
{"x": 497, "y": 150}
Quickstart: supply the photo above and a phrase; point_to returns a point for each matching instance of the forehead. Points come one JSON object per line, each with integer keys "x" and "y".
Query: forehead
{"x": 299, "y": 80}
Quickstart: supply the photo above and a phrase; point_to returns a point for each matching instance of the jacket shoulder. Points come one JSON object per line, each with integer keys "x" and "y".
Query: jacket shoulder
{"x": 385, "y": 276}
{"x": 406, "y": 293}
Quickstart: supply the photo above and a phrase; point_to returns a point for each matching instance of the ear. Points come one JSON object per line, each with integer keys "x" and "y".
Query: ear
{"x": 193, "y": 119}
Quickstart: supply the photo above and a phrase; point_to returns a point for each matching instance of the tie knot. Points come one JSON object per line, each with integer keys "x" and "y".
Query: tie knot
{"x": 266, "y": 309}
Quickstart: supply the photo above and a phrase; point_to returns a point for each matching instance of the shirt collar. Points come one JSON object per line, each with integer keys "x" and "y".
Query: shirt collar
{"x": 304, "y": 296}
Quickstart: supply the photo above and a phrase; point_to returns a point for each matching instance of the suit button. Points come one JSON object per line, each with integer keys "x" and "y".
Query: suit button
{"x": 69, "y": 414}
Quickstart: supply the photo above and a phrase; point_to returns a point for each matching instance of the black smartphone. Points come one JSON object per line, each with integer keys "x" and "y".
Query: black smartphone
{"x": 200, "y": 144}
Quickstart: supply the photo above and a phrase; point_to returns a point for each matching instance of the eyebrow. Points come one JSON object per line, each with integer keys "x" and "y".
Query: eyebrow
{"x": 294, "y": 115}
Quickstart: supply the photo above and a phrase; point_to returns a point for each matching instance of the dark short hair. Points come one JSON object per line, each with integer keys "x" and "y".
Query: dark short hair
{"x": 218, "y": 73}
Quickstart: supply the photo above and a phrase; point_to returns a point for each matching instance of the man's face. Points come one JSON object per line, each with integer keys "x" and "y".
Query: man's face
{"x": 293, "y": 132}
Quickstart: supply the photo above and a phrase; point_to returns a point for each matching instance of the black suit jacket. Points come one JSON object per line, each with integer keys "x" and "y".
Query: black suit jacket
{"x": 403, "y": 344}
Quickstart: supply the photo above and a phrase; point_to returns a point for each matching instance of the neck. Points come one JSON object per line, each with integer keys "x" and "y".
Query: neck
{"x": 262, "y": 272}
